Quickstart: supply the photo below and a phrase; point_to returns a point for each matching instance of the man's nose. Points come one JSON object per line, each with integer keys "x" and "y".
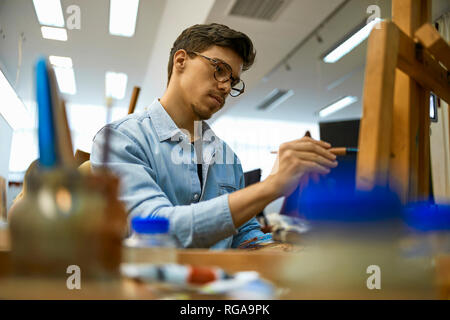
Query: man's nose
{"x": 225, "y": 87}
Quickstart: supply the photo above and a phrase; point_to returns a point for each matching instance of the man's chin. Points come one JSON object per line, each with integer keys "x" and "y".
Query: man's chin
{"x": 205, "y": 114}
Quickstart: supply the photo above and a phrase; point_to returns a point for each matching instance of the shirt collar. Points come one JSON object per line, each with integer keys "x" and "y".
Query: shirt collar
{"x": 163, "y": 123}
{"x": 166, "y": 128}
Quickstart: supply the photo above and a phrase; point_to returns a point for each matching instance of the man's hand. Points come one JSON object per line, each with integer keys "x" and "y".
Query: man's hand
{"x": 296, "y": 160}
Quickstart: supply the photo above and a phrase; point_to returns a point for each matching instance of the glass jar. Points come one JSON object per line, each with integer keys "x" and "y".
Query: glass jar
{"x": 68, "y": 219}
{"x": 150, "y": 242}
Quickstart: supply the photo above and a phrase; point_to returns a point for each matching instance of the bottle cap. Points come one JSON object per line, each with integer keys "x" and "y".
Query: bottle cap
{"x": 150, "y": 225}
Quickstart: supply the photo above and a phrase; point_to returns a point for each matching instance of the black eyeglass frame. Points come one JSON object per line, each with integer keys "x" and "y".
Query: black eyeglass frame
{"x": 216, "y": 63}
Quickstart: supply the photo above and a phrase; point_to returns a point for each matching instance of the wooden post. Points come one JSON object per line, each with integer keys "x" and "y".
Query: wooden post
{"x": 409, "y": 163}
{"x": 133, "y": 100}
{"x": 3, "y": 205}
{"x": 376, "y": 123}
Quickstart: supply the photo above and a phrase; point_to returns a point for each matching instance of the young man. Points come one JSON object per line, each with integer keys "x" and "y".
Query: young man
{"x": 154, "y": 155}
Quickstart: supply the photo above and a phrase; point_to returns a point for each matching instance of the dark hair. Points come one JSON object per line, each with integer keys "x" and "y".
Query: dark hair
{"x": 200, "y": 37}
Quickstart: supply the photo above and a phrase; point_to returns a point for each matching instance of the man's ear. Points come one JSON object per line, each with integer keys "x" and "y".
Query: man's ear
{"x": 179, "y": 60}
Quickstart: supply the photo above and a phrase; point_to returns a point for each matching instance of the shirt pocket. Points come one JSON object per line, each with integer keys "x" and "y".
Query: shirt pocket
{"x": 225, "y": 188}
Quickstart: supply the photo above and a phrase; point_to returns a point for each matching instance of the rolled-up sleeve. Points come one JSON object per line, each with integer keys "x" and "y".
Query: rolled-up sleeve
{"x": 197, "y": 225}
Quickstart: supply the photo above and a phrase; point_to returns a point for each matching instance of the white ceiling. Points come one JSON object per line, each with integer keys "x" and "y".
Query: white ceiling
{"x": 144, "y": 56}
{"x": 92, "y": 49}
{"x": 316, "y": 84}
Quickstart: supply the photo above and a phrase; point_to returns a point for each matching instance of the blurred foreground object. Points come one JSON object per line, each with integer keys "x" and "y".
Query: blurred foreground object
{"x": 353, "y": 250}
{"x": 68, "y": 219}
{"x": 150, "y": 242}
{"x": 428, "y": 240}
{"x": 64, "y": 218}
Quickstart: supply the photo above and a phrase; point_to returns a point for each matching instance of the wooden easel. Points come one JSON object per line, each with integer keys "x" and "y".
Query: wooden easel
{"x": 406, "y": 59}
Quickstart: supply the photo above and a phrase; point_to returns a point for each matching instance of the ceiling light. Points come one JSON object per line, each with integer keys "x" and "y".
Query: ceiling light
{"x": 54, "y": 33}
{"x": 349, "y": 43}
{"x": 274, "y": 99}
{"x": 338, "y": 105}
{"x": 122, "y": 17}
{"x": 63, "y": 62}
{"x": 12, "y": 108}
{"x": 66, "y": 80}
{"x": 115, "y": 84}
{"x": 49, "y": 12}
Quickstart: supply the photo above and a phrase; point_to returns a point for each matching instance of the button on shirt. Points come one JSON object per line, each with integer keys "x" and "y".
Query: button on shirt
{"x": 157, "y": 166}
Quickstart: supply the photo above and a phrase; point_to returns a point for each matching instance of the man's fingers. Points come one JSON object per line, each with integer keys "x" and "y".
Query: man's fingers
{"x": 321, "y": 143}
{"x": 314, "y": 157}
{"x": 314, "y": 167}
{"x": 311, "y": 147}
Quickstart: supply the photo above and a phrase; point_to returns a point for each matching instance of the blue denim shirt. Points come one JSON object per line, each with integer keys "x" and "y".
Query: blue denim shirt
{"x": 158, "y": 170}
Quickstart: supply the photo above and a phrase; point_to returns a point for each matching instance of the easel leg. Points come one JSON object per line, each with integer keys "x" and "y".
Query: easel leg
{"x": 376, "y": 123}
{"x": 409, "y": 163}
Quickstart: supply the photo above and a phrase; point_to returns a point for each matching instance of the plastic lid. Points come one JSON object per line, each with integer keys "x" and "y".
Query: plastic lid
{"x": 150, "y": 225}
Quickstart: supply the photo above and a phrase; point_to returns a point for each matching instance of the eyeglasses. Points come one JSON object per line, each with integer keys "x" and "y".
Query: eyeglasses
{"x": 223, "y": 73}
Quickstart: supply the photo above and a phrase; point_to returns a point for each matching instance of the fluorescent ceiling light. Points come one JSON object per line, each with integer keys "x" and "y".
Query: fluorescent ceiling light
{"x": 350, "y": 43}
{"x": 338, "y": 105}
{"x": 63, "y": 62}
{"x": 66, "y": 80}
{"x": 122, "y": 17}
{"x": 115, "y": 84}
{"x": 11, "y": 107}
{"x": 54, "y": 33}
{"x": 274, "y": 99}
{"x": 49, "y": 12}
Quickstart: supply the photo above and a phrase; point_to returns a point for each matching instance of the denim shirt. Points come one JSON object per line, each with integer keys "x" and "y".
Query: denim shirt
{"x": 157, "y": 166}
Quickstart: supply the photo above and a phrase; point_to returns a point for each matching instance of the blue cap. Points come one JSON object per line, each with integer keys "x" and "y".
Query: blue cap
{"x": 150, "y": 225}
{"x": 424, "y": 216}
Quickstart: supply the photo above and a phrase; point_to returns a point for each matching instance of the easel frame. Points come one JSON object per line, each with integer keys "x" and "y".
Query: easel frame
{"x": 390, "y": 50}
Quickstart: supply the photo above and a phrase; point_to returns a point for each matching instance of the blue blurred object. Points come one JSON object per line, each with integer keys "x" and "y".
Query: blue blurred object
{"x": 325, "y": 201}
{"x": 150, "y": 225}
{"x": 424, "y": 216}
{"x": 46, "y": 125}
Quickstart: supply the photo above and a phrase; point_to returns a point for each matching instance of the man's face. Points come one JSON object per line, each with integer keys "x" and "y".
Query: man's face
{"x": 201, "y": 90}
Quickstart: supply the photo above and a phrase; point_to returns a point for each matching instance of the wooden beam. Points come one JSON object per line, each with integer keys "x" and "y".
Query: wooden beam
{"x": 419, "y": 64}
{"x": 376, "y": 123}
{"x": 409, "y": 122}
{"x": 133, "y": 100}
{"x": 430, "y": 38}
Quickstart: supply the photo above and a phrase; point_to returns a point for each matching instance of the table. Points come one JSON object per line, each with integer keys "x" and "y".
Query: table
{"x": 269, "y": 262}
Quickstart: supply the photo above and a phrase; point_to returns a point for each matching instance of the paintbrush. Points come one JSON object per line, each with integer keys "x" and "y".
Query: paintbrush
{"x": 340, "y": 151}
